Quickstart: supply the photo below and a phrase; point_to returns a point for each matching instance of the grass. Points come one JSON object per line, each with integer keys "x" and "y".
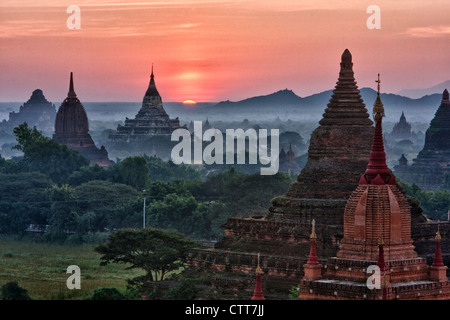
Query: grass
{"x": 41, "y": 269}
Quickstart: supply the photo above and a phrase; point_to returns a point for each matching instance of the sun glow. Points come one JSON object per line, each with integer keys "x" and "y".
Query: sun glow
{"x": 189, "y": 102}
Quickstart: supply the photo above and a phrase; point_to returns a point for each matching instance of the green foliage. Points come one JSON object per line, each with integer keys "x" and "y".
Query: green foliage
{"x": 97, "y": 203}
{"x": 88, "y": 173}
{"x": 168, "y": 171}
{"x": 23, "y": 201}
{"x": 293, "y": 293}
{"x": 107, "y": 294}
{"x": 435, "y": 204}
{"x": 63, "y": 218}
{"x": 12, "y": 291}
{"x": 45, "y": 155}
{"x": 184, "y": 290}
{"x": 155, "y": 251}
{"x": 134, "y": 171}
{"x": 181, "y": 213}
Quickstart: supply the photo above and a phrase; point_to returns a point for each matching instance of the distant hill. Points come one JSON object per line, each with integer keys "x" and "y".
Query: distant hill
{"x": 418, "y": 93}
{"x": 283, "y": 97}
{"x": 286, "y": 102}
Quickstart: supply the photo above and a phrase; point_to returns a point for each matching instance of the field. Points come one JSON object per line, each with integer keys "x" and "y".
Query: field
{"x": 42, "y": 269}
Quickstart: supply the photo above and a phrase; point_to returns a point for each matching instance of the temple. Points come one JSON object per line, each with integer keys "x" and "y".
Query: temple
{"x": 428, "y": 170}
{"x": 286, "y": 161}
{"x": 72, "y": 130}
{"x": 377, "y": 232}
{"x": 339, "y": 151}
{"x": 402, "y": 130}
{"x": 151, "y": 120}
{"x": 36, "y": 112}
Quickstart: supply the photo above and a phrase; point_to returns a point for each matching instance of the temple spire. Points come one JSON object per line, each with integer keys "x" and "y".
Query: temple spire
{"x": 380, "y": 262}
{"x": 152, "y": 93}
{"x": 152, "y": 76}
{"x": 258, "y": 293}
{"x": 71, "y": 93}
{"x": 312, "y": 258}
{"x": 438, "y": 262}
{"x": 377, "y": 172}
{"x": 445, "y": 96}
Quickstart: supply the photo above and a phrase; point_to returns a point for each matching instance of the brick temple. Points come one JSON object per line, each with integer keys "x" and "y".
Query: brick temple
{"x": 151, "y": 120}
{"x": 72, "y": 130}
{"x": 338, "y": 153}
{"x": 433, "y": 161}
{"x": 377, "y": 232}
{"x": 36, "y": 112}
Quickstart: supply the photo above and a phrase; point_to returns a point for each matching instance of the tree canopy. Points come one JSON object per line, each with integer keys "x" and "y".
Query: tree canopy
{"x": 156, "y": 251}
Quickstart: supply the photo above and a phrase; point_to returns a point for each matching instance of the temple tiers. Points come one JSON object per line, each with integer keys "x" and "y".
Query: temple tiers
{"x": 151, "y": 120}
{"x": 36, "y": 112}
{"x": 72, "y": 129}
{"x": 338, "y": 155}
{"x": 433, "y": 162}
{"x": 377, "y": 231}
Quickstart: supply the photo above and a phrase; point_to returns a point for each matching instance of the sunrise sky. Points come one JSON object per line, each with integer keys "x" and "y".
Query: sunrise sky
{"x": 213, "y": 50}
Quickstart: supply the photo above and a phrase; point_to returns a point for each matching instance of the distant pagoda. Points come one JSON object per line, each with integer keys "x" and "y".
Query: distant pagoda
{"x": 377, "y": 232}
{"x": 72, "y": 130}
{"x": 36, "y": 112}
{"x": 433, "y": 162}
{"x": 151, "y": 120}
{"x": 402, "y": 130}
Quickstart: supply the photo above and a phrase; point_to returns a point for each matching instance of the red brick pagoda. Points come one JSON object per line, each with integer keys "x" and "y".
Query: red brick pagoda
{"x": 377, "y": 231}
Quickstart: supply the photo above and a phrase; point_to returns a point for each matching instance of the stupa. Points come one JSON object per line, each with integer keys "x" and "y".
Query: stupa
{"x": 339, "y": 148}
{"x": 151, "y": 120}
{"x": 433, "y": 161}
{"x": 72, "y": 130}
{"x": 377, "y": 232}
{"x": 338, "y": 153}
{"x": 36, "y": 112}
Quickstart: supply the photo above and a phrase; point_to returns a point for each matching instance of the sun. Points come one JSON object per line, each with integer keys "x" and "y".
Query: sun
{"x": 189, "y": 102}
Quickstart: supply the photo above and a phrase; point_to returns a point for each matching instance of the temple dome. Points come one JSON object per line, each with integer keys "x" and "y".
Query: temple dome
{"x": 71, "y": 117}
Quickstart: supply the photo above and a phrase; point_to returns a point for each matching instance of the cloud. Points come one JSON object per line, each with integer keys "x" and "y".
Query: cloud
{"x": 428, "y": 32}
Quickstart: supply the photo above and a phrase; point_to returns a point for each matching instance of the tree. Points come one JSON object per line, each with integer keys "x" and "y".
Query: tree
{"x": 101, "y": 199}
{"x": 63, "y": 219}
{"x": 156, "y": 251}
{"x": 180, "y": 213}
{"x": 12, "y": 291}
{"x": 45, "y": 155}
{"x": 21, "y": 201}
{"x": 134, "y": 171}
{"x": 107, "y": 294}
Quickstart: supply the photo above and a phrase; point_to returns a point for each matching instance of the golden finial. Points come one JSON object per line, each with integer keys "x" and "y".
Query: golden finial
{"x": 258, "y": 267}
{"x": 378, "y": 105}
{"x": 378, "y": 86}
{"x": 313, "y": 232}
{"x": 380, "y": 241}
{"x": 438, "y": 234}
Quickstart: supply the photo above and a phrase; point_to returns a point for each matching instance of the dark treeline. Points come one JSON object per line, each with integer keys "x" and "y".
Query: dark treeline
{"x": 53, "y": 188}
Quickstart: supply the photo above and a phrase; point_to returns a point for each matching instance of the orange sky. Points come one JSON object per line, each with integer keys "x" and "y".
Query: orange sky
{"x": 212, "y": 50}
